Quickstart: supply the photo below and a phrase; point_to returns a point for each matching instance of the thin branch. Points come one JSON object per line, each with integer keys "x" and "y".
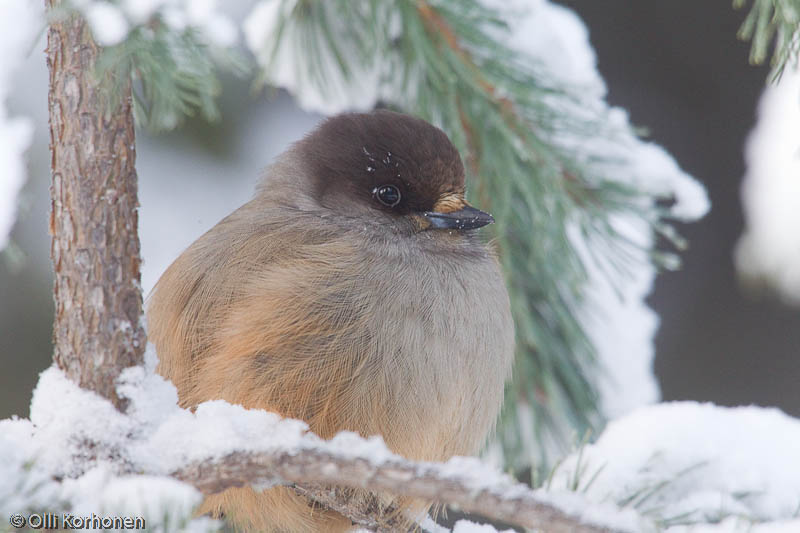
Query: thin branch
{"x": 508, "y": 501}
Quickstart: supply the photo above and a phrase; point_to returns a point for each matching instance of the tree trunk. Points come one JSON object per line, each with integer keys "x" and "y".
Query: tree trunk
{"x": 93, "y": 218}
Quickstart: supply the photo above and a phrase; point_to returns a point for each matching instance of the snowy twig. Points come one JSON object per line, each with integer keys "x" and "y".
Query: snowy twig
{"x": 74, "y": 433}
{"x": 508, "y": 501}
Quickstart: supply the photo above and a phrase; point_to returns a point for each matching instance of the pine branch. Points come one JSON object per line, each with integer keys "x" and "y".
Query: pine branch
{"x": 509, "y": 502}
{"x": 775, "y": 24}
{"x": 170, "y": 64}
{"x": 174, "y": 74}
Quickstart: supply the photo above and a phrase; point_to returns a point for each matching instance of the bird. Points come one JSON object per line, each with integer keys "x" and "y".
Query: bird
{"x": 352, "y": 292}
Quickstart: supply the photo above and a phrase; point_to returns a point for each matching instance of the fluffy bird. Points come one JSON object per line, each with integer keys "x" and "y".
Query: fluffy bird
{"x": 352, "y": 293}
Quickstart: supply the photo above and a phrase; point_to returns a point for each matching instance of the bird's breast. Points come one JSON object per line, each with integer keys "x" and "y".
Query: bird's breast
{"x": 443, "y": 336}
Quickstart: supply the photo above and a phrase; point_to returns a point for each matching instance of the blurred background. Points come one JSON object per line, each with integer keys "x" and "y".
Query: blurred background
{"x": 677, "y": 67}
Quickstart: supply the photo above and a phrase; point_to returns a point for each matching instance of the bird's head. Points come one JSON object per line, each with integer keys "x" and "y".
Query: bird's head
{"x": 391, "y": 167}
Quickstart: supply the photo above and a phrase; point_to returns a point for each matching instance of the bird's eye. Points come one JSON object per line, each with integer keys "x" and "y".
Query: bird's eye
{"x": 388, "y": 195}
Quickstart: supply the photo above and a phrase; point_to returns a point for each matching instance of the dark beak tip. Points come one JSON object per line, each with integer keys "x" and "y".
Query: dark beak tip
{"x": 468, "y": 218}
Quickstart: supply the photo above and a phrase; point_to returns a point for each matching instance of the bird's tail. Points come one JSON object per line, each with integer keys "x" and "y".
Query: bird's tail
{"x": 275, "y": 510}
{"x": 282, "y": 510}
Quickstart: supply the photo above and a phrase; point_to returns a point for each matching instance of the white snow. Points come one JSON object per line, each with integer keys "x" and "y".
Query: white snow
{"x": 739, "y": 525}
{"x": 205, "y": 14}
{"x": 285, "y": 66}
{"x": 22, "y": 487}
{"x": 465, "y": 526}
{"x": 155, "y": 439}
{"x": 619, "y": 322}
{"x": 19, "y": 22}
{"x": 600, "y": 512}
{"x": 769, "y": 250}
{"x": 557, "y": 40}
{"x": 140, "y": 11}
{"x": 102, "y": 493}
{"x": 108, "y": 23}
{"x": 697, "y": 461}
{"x": 112, "y": 22}
{"x": 32, "y": 452}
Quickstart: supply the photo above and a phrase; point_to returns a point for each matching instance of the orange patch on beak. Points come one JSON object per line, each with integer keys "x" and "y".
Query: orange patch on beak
{"x": 450, "y": 203}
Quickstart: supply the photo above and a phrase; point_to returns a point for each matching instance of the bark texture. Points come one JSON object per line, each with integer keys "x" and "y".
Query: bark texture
{"x": 93, "y": 218}
{"x": 311, "y": 469}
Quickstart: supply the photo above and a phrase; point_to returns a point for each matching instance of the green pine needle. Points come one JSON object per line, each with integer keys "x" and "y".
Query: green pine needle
{"x": 173, "y": 74}
{"x": 776, "y": 24}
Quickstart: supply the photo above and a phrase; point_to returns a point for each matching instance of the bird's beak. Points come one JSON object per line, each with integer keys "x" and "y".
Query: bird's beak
{"x": 453, "y": 212}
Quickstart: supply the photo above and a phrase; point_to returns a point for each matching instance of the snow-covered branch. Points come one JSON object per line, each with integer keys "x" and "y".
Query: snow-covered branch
{"x": 660, "y": 469}
{"x": 464, "y": 482}
{"x": 73, "y": 433}
{"x": 768, "y": 254}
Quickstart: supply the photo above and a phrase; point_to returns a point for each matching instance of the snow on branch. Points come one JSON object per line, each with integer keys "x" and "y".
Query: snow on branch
{"x": 461, "y": 481}
{"x": 74, "y": 433}
{"x": 660, "y": 469}
{"x": 768, "y": 253}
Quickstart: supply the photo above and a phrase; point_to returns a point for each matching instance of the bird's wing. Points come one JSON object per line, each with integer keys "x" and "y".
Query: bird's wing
{"x": 269, "y": 314}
